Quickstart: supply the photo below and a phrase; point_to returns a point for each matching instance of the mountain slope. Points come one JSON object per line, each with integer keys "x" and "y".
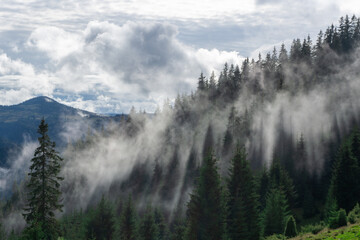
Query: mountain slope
{"x": 20, "y": 122}
{"x": 348, "y": 232}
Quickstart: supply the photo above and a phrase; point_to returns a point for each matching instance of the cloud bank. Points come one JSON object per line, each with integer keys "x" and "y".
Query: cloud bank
{"x": 109, "y": 68}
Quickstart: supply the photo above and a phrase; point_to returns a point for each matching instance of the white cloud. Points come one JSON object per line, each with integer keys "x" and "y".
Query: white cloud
{"x": 88, "y": 48}
{"x": 19, "y": 81}
{"x": 139, "y": 61}
{"x": 117, "y": 66}
{"x": 45, "y": 38}
{"x": 14, "y": 67}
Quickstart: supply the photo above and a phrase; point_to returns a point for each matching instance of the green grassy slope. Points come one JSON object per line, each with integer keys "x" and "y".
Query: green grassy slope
{"x": 349, "y": 232}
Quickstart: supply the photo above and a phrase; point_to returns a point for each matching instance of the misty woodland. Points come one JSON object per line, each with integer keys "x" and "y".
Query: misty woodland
{"x": 269, "y": 149}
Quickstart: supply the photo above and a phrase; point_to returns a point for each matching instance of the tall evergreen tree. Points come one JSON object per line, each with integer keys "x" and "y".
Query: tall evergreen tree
{"x": 44, "y": 195}
{"x": 201, "y": 83}
{"x": 243, "y": 218}
{"x": 127, "y": 227}
{"x": 206, "y": 214}
{"x": 163, "y": 232}
{"x": 355, "y": 144}
{"x": 102, "y": 222}
{"x": 345, "y": 182}
{"x": 148, "y": 230}
{"x": 279, "y": 178}
{"x": 275, "y": 213}
{"x": 2, "y": 231}
{"x": 263, "y": 187}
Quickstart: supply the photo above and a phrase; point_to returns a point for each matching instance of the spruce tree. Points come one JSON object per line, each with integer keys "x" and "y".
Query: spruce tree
{"x": 345, "y": 183}
{"x": 2, "y": 231}
{"x": 279, "y": 178}
{"x": 275, "y": 213}
{"x": 342, "y": 218}
{"x": 263, "y": 182}
{"x": 44, "y": 195}
{"x": 290, "y": 227}
{"x": 331, "y": 207}
{"x": 127, "y": 228}
{"x": 101, "y": 224}
{"x": 148, "y": 230}
{"x": 243, "y": 218}
{"x": 163, "y": 232}
{"x": 206, "y": 214}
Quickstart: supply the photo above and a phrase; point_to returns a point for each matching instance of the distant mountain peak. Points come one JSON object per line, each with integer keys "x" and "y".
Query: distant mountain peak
{"x": 39, "y": 100}
{"x": 48, "y": 99}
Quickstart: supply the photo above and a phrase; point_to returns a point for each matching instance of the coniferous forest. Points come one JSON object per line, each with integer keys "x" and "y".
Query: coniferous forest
{"x": 269, "y": 149}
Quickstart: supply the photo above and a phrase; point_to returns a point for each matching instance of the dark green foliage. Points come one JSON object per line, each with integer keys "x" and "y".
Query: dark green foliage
{"x": 338, "y": 220}
{"x": 127, "y": 229}
{"x": 34, "y": 232}
{"x": 275, "y": 213}
{"x": 345, "y": 182}
{"x": 101, "y": 224}
{"x": 163, "y": 232}
{"x": 205, "y": 213}
{"x": 2, "y": 231}
{"x": 333, "y": 222}
{"x": 331, "y": 208}
{"x": 263, "y": 182}
{"x": 354, "y": 215}
{"x": 178, "y": 230}
{"x": 148, "y": 230}
{"x": 308, "y": 205}
{"x": 276, "y": 237}
{"x": 208, "y": 142}
{"x": 355, "y": 144}
{"x": 342, "y": 219}
{"x": 73, "y": 225}
{"x": 44, "y": 186}
{"x": 279, "y": 178}
{"x": 290, "y": 227}
{"x": 313, "y": 228}
{"x": 243, "y": 217}
{"x": 177, "y": 226}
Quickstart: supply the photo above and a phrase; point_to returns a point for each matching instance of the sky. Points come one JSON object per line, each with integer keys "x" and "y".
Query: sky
{"x": 106, "y": 56}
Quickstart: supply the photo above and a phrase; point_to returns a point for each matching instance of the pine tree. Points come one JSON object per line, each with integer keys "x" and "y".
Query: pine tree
{"x": 206, "y": 214}
{"x": 355, "y": 144}
{"x": 342, "y": 218}
{"x": 290, "y": 227}
{"x": 102, "y": 224}
{"x": 208, "y": 142}
{"x": 275, "y": 213}
{"x": 279, "y": 178}
{"x": 263, "y": 187}
{"x": 178, "y": 225}
{"x": 345, "y": 182}
{"x": 330, "y": 208}
{"x": 345, "y": 34}
{"x": 127, "y": 226}
{"x": 148, "y": 230}
{"x": 2, "y": 231}
{"x": 74, "y": 226}
{"x": 201, "y": 83}
{"x": 163, "y": 232}
{"x": 243, "y": 218}
{"x": 44, "y": 186}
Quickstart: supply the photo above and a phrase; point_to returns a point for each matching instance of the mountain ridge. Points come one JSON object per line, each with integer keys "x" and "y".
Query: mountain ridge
{"x": 20, "y": 121}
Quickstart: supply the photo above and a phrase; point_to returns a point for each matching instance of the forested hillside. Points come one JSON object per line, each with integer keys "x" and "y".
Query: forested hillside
{"x": 268, "y": 147}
